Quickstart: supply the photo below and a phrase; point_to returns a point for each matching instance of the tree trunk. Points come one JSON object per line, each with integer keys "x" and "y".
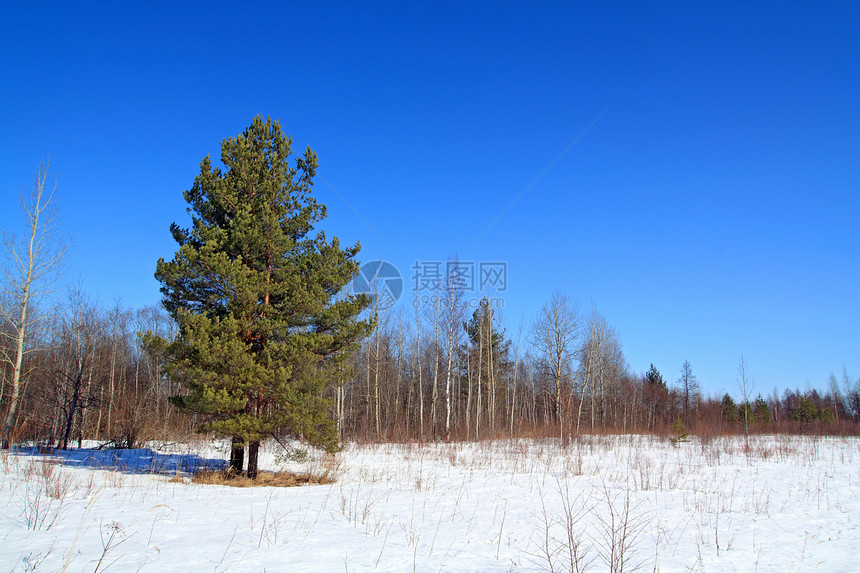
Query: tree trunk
{"x": 111, "y": 380}
{"x": 73, "y": 407}
{"x": 418, "y": 365}
{"x": 253, "y": 452}
{"x": 434, "y": 396}
{"x": 237, "y": 456}
{"x": 376, "y": 416}
{"x": 16, "y": 368}
{"x": 469, "y": 396}
{"x": 491, "y": 380}
{"x": 448, "y": 395}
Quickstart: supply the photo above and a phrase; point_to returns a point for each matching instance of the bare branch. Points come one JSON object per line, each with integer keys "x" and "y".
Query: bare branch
{"x": 34, "y": 268}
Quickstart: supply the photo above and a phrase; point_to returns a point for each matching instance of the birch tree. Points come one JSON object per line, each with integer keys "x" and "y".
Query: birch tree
{"x": 31, "y": 269}
{"x": 453, "y": 327}
{"x": 745, "y": 384}
{"x": 554, "y": 335}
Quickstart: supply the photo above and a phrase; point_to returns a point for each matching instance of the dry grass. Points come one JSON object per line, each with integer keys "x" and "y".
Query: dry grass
{"x": 264, "y": 479}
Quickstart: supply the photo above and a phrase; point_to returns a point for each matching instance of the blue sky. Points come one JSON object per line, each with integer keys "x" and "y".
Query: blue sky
{"x": 708, "y": 206}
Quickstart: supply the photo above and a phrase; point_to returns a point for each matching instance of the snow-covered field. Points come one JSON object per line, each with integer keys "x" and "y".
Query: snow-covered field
{"x": 601, "y": 504}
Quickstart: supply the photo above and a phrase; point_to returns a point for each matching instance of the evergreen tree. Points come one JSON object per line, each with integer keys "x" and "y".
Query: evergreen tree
{"x": 681, "y": 433}
{"x": 487, "y": 355}
{"x": 729, "y": 409}
{"x": 482, "y": 331}
{"x": 656, "y": 395}
{"x": 654, "y": 378}
{"x": 263, "y": 331}
{"x": 761, "y": 412}
{"x": 806, "y": 411}
{"x": 745, "y": 413}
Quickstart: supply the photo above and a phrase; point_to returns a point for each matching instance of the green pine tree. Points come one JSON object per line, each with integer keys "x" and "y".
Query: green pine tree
{"x": 263, "y": 327}
{"x": 654, "y": 378}
{"x": 806, "y": 411}
{"x": 729, "y": 409}
{"x": 681, "y": 433}
{"x": 761, "y": 412}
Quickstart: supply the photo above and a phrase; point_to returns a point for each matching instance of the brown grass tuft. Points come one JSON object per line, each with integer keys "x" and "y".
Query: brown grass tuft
{"x": 264, "y": 479}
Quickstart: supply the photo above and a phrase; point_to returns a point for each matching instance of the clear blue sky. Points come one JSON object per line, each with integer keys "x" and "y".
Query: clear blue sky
{"x": 712, "y": 210}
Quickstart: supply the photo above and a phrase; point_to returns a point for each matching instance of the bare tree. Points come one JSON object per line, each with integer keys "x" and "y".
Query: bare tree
{"x": 32, "y": 268}
{"x": 745, "y": 384}
{"x": 554, "y": 336}
{"x": 852, "y": 393}
{"x": 836, "y": 395}
{"x": 379, "y": 310}
{"x": 453, "y": 327}
{"x": 435, "y": 315}
{"x": 601, "y": 363}
{"x": 417, "y": 358}
{"x": 81, "y": 331}
{"x": 517, "y": 348}
{"x": 689, "y": 386}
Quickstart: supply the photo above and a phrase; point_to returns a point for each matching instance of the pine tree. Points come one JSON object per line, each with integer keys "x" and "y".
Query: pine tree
{"x": 263, "y": 326}
{"x": 681, "y": 433}
{"x": 806, "y": 411}
{"x": 761, "y": 413}
{"x": 654, "y": 378}
{"x": 729, "y": 409}
{"x": 487, "y": 351}
{"x": 656, "y": 394}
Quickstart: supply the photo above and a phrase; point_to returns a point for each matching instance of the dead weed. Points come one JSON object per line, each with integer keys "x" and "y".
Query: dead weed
{"x": 264, "y": 479}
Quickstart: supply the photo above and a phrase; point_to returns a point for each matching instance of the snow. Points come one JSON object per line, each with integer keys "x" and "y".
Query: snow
{"x": 623, "y": 502}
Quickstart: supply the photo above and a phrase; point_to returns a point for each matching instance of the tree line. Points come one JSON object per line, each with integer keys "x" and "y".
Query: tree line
{"x": 450, "y": 371}
{"x": 89, "y": 376}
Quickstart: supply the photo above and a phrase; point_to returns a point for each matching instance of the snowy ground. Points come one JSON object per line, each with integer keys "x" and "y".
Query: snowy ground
{"x": 602, "y": 504}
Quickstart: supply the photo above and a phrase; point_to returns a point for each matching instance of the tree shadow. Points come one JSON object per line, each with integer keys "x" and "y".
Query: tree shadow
{"x": 131, "y": 461}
